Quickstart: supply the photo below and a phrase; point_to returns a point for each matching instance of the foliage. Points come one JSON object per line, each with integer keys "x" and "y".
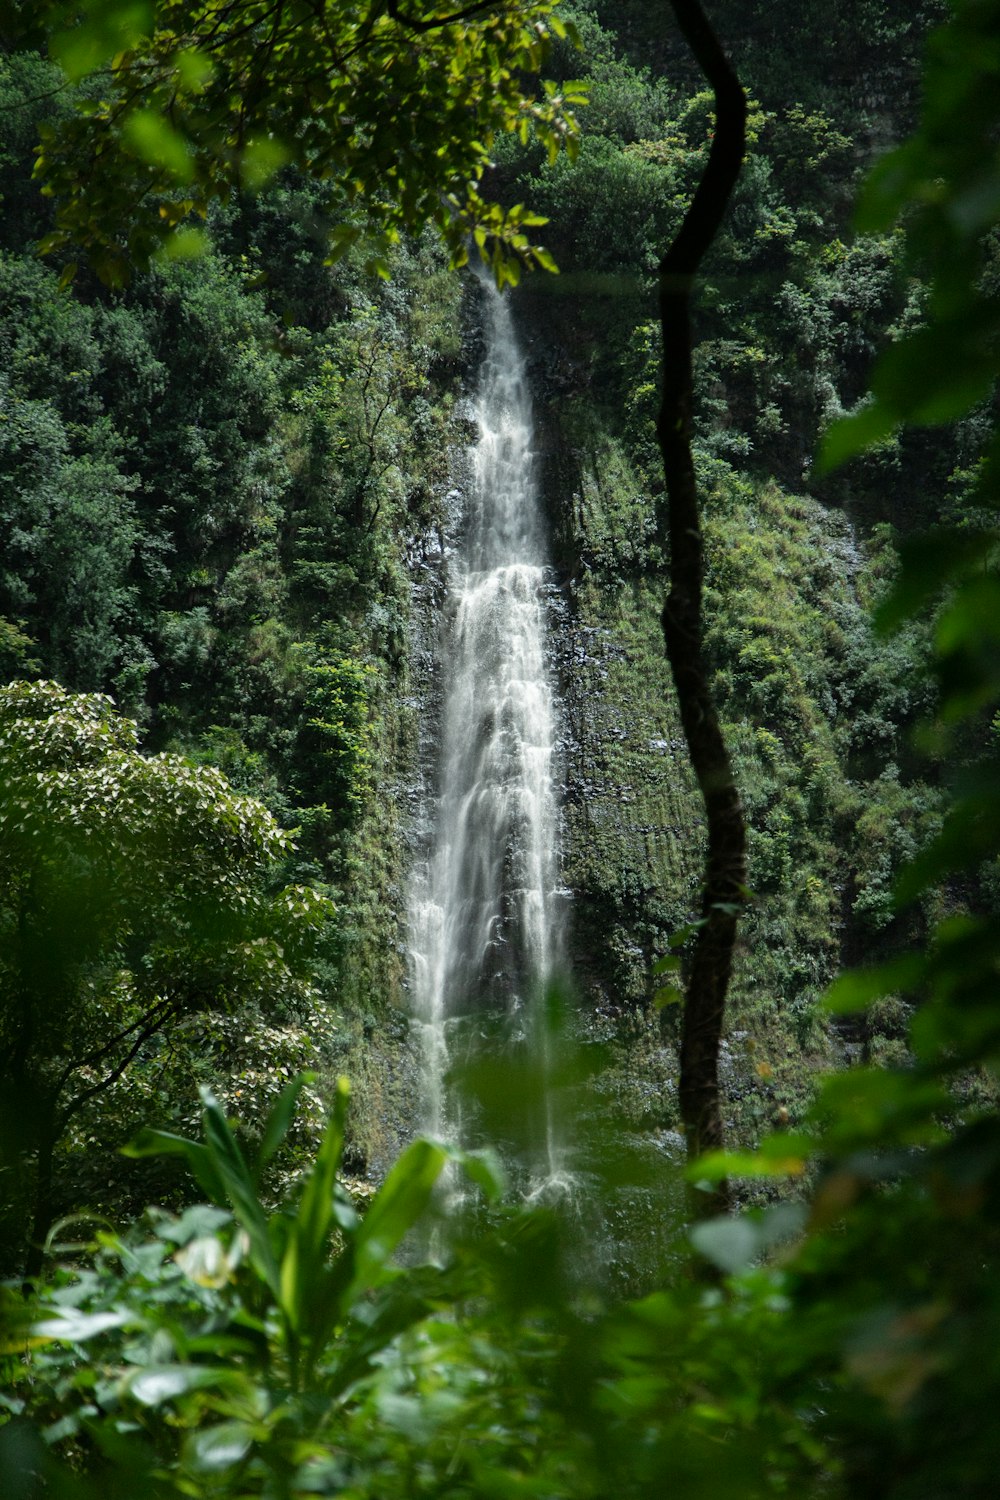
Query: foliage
{"x": 859, "y": 60}
{"x": 334, "y": 741}
{"x": 862, "y": 1360}
{"x": 224, "y": 1349}
{"x": 205, "y": 480}
{"x": 183, "y": 103}
{"x": 134, "y": 891}
{"x": 917, "y": 1326}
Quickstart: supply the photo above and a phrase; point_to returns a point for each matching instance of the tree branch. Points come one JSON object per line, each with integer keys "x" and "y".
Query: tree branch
{"x": 161, "y": 1009}
{"x": 69, "y": 1110}
{"x": 436, "y": 22}
{"x": 724, "y": 888}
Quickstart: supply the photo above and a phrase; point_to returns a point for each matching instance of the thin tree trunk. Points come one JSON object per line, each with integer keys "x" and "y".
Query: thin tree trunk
{"x": 724, "y": 887}
{"x": 43, "y": 1207}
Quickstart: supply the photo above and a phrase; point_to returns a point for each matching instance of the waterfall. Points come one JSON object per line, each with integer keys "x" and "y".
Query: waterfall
{"x": 486, "y": 937}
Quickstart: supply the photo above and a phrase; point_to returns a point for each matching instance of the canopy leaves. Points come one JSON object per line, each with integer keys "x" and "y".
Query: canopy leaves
{"x": 182, "y": 103}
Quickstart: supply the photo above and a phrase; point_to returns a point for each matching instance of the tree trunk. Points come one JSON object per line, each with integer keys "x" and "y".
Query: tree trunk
{"x": 43, "y": 1207}
{"x": 724, "y": 889}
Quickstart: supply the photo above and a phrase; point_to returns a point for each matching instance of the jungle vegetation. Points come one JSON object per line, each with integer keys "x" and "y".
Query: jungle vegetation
{"x": 233, "y": 341}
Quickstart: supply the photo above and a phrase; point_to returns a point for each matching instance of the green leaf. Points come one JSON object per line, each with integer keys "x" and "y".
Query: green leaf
{"x": 780, "y": 1155}
{"x": 731, "y": 1244}
{"x": 857, "y": 990}
{"x": 885, "y": 190}
{"x": 262, "y": 158}
{"x": 186, "y": 243}
{"x": 485, "y": 1170}
{"x": 879, "y": 1104}
{"x": 279, "y": 1120}
{"x": 194, "y": 69}
{"x": 970, "y": 835}
{"x": 154, "y": 1384}
{"x": 240, "y": 1189}
{"x": 199, "y": 1158}
{"x": 105, "y": 30}
{"x": 937, "y": 373}
{"x": 678, "y": 938}
{"x": 76, "y": 1327}
{"x": 730, "y": 908}
{"x": 851, "y": 435}
{"x": 395, "y": 1209}
{"x": 928, "y": 563}
{"x": 215, "y": 1449}
{"x": 155, "y": 141}
{"x": 304, "y": 1292}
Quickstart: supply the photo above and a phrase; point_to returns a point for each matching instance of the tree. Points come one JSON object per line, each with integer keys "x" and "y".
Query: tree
{"x": 724, "y": 887}
{"x": 395, "y": 106}
{"x": 133, "y": 891}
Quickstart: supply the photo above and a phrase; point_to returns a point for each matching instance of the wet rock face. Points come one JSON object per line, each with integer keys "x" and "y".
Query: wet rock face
{"x": 628, "y": 798}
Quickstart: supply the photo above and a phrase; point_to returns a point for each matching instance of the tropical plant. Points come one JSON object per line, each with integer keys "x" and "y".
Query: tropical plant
{"x": 223, "y": 1350}
{"x": 134, "y": 890}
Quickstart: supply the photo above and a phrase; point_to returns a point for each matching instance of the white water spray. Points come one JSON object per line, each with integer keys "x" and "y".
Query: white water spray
{"x": 484, "y": 910}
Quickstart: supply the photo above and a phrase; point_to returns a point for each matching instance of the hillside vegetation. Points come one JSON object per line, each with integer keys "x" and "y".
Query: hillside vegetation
{"x": 227, "y": 500}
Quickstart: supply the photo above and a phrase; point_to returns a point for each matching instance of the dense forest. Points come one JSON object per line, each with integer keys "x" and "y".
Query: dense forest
{"x": 241, "y": 331}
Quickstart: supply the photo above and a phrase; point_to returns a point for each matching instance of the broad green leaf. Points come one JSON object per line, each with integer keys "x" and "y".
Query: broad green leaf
{"x": 879, "y": 1104}
{"x": 885, "y": 190}
{"x": 304, "y": 1290}
{"x": 927, "y": 564}
{"x": 389, "y": 1311}
{"x": 857, "y": 989}
{"x": 262, "y": 158}
{"x": 215, "y": 1449}
{"x": 678, "y": 938}
{"x": 972, "y": 617}
{"x": 201, "y": 1220}
{"x": 485, "y": 1170}
{"x": 279, "y": 1120}
{"x": 76, "y": 1327}
{"x": 397, "y": 1206}
{"x": 105, "y": 31}
{"x": 194, "y": 69}
{"x": 240, "y": 1189}
{"x": 200, "y": 1160}
{"x": 937, "y": 373}
{"x": 779, "y": 1155}
{"x": 187, "y": 243}
{"x": 154, "y": 1384}
{"x": 155, "y": 140}
{"x": 729, "y": 1243}
{"x": 970, "y": 835}
{"x": 851, "y": 435}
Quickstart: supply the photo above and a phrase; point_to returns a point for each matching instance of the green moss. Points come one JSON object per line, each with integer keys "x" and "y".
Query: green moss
{"x": 811, "y": 728}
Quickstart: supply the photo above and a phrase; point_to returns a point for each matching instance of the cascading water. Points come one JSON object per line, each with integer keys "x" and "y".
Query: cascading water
{"x": 486, "y": 931}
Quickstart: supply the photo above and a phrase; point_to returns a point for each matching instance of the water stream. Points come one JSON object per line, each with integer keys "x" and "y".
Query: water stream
{"x": 486, "y": 931}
